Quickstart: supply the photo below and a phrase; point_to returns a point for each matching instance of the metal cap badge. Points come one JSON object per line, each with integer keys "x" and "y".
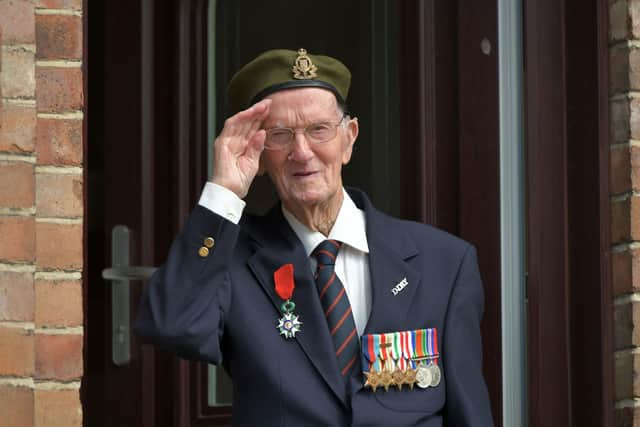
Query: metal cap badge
{"x": 303, "y": 68}
{"x": 282, "y": 69}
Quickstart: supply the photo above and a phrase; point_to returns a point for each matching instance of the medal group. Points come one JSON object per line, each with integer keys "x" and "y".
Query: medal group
{"x": 401, "y": 358}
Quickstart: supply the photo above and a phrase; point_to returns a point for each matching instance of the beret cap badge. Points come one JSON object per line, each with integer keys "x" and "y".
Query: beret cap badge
{"x": 303, "y": 68}
{"x": 281, "y": 69}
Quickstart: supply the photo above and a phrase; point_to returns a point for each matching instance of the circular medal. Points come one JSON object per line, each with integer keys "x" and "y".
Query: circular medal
{"x": 423, "y": 376}
{"x": 435, "y": 374}
{"x": 398, "y": 378}
{"x": 385, "y": 379}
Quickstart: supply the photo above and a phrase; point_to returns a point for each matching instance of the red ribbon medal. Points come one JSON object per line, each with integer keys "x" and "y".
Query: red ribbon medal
{"x": 288, "y": 324}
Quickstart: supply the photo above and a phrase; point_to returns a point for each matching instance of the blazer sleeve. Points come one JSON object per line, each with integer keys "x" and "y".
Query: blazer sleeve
{"x": 467, "y": 398}
{"x": 183, "y": 307}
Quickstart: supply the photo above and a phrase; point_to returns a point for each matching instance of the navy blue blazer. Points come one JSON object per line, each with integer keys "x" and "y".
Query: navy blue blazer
{"x": 223, "y": 309}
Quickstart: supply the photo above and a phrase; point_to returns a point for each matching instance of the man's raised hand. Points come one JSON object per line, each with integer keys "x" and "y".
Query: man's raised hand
{"x": 237, "y": 150}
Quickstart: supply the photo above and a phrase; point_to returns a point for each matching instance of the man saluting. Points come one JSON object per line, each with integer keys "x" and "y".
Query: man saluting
{"x": 325, "y": 311}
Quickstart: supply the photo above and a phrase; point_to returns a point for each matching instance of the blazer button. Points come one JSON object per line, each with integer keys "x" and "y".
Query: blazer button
{"x": 209, "y": 242}
{"x": 203, "y": 252}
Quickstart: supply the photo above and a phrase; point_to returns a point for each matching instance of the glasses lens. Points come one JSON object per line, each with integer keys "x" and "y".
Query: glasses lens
{"x": 320, "y": 132}
{"x": 278, "y": 138}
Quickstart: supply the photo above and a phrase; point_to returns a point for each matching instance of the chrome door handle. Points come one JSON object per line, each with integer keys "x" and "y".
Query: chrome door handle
{"x": 120, "y": 274}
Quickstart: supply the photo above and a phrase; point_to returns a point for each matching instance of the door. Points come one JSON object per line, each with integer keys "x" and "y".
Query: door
{"x": 425, "y": 93}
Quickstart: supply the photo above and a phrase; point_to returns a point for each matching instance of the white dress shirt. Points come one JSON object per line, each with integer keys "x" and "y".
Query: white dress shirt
{"x": 352, "y": 263}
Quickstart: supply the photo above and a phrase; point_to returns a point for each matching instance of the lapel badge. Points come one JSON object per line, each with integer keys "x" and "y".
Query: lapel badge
{"x": 400, "y": 286}
{"x": 289, "y": 324}
{"x": 303, "y": 68}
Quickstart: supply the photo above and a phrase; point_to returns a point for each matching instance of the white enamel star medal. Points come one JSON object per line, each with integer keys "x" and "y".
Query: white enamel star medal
{"x": 289, "y": 324}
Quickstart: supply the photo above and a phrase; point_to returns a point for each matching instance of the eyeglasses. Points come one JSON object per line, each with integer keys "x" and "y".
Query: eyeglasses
{"x": 279, "y": 138}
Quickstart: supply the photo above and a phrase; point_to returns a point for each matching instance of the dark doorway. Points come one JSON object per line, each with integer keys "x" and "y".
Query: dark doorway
{"x": 424, "y": 153}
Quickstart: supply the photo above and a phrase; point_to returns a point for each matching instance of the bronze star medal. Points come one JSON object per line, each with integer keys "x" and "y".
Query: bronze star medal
{"x": 373, "y": 380}
{"x": 398, "y": 377}
{"x": 410, "y": 377}
{"x": 386, "y": 379}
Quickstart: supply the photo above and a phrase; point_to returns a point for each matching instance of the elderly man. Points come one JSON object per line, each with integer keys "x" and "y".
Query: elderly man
{"x": 325, "y": 312}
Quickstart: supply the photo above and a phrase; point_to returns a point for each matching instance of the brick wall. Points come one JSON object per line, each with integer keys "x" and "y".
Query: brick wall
{"x": 41, "y": 212}
{"x": 624, "y": 68}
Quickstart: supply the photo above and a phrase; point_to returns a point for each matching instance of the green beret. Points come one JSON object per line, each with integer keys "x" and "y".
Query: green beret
{"x": 281, "y": 69}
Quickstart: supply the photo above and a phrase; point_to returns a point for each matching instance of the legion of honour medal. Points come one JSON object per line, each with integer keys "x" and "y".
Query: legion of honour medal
{"x": 289, "y": 324}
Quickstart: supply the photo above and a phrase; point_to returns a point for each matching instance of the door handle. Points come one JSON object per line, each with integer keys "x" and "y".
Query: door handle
{"x": 120, "y": 274}
{"x": 128, "y": 273}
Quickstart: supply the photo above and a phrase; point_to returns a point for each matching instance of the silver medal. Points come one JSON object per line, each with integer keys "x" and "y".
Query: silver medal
{"x": 435, "y": 374}
{"x": 423, "y": 376}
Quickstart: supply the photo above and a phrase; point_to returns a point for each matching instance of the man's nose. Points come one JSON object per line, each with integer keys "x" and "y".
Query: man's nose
{"x": 300, "y": 148}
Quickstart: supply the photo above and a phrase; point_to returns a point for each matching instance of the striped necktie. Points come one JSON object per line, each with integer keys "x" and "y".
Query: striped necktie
{"x": 335, "y": 304}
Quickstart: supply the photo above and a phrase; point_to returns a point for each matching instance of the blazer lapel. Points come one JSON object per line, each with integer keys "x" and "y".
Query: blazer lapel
{"x": 281, "y": 246}
{"x": 389, "y": 250}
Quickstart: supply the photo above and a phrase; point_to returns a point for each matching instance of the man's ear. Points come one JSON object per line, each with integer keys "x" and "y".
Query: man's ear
{"x": 352, "y": 134}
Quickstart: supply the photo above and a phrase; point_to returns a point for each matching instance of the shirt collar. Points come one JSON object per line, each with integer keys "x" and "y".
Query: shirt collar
{"x": 349, "y": 228}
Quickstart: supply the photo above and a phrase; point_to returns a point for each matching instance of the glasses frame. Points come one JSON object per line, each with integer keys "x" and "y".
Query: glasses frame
{"x": 294, "y": 131}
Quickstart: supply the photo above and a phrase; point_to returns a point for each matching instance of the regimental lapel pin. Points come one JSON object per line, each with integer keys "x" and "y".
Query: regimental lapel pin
{"x": 399, "y": 286}
{"x": 288, "y": 324}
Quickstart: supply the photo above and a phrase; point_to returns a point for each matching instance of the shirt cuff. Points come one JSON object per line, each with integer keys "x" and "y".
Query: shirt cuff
{"x": 222, "y": 201}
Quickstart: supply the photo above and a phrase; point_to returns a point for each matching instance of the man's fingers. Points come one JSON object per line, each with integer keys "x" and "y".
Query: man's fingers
{"x": 256, "y": 145}
{"x": 239, "y": 128}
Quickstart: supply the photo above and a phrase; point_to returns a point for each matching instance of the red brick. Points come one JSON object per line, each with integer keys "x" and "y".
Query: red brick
{"x": 17, "y": 79}
{"x": 16, "y": 352}
{"x": 17, "y": 25}
{"x": 623, "y": 326}
{"x": 621, "y": 272}
{"x": 635, "y": 167}
{"x": 59, "y": 142}
{"x": 58, "y": 408}
{"x": 635, "y": 218}
{"x": 623, "y": 374}
{"x": 620, "y": 171}
{"x": 620, "y": 121}
{"x": 634, "y": 13}
{"x": 17, "y": 129}
{"x": 17, "y": 243}
{"x": 58, "y": 303}
{"x": 634, "y": 119}
{"x": 618, "y": 69}
{"x": 59, "y": 37}
{"x": 59, "y": 89}
{"x": 619, "y": 21}
{"x": 16, "y": 406}
{"x": 59, "y": 4}
{"x": 58, "y": 357}
{"x": 59, "y": 195}
{"x": 16, "y": 296}
{"x": 51, "y": 254}
{"x": 634, "y": 68}
{"x": 620, "y": 221}
{"x": 17, "y": 185}
{"x": 624, "y": 417}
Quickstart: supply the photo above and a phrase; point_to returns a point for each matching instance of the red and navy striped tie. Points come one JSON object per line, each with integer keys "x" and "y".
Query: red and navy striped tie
{"x": 335, "y": 304}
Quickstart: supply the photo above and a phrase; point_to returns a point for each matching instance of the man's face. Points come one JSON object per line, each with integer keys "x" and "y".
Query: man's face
{"x": 305, "y": 173}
